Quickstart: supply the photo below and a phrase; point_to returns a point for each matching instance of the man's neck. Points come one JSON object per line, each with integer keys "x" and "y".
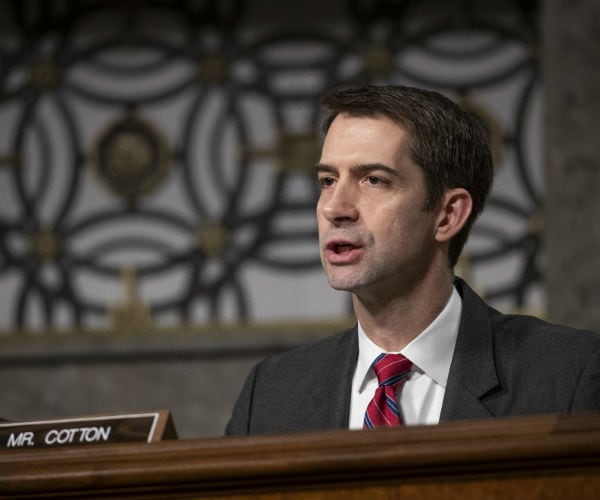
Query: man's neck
{"x": 393, "y": 323}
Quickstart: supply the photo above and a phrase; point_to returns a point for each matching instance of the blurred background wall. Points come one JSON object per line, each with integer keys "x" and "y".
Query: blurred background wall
{"x": 157, "y": 230}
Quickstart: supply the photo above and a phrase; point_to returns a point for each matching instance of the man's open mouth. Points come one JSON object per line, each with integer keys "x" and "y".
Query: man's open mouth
{"x": 342, "y": 247}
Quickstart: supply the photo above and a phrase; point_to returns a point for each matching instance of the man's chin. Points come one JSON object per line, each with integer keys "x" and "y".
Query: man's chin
{"x": 343, "y": 285}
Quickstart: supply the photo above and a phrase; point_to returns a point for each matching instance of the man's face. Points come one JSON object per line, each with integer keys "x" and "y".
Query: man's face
{"x": 375, "y": 237}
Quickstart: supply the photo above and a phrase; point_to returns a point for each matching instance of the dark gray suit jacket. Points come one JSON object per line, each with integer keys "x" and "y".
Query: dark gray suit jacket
{"x": 503, "y": 365}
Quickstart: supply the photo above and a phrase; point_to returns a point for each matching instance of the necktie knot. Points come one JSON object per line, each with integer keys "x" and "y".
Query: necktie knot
{"x": 391, "y": 369}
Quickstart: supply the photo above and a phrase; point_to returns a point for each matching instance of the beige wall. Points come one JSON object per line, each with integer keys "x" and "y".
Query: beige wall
{"x": 571, "y": 57}
{"x": 199, "y": 393}
{"x": 196, "y": 377}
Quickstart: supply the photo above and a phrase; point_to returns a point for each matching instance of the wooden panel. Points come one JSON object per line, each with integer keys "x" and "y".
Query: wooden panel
{"x": 531, "y": 457}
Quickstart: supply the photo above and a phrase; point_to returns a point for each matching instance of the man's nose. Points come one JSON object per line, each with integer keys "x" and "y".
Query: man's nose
{"x": 340, "y": 205}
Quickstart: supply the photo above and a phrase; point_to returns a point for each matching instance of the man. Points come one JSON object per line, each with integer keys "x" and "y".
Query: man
{"x": 403, "y": 174}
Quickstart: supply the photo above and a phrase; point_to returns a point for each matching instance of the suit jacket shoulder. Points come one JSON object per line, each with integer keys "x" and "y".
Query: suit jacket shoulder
{"x": 507, "y": 365}
{"x": 307, "y": 388}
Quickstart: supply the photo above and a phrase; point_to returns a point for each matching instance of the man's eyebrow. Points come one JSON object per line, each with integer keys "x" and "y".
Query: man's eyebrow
{"x": 360, "y": 168}
{"x": 363, "y": 168}
{"x": 321, "y": 167}
{"x": 370, "y": 167}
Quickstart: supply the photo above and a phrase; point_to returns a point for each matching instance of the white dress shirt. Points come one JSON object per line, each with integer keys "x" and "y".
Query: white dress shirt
{"x": 421, "y": 397}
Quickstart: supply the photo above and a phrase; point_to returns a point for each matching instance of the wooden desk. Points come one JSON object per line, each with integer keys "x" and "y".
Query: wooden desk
{"x": 521, "y": 458}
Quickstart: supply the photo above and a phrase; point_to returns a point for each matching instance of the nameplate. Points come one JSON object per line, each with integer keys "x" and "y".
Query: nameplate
{"x": 80, "y": 431}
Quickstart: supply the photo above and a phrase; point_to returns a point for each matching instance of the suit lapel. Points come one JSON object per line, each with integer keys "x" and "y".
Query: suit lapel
{"x": 331, "y": 405}
{"x": 473, "y": 371}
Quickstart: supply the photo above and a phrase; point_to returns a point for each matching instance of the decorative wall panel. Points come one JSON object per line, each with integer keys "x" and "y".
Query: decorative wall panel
{"x": 156, "y": 156}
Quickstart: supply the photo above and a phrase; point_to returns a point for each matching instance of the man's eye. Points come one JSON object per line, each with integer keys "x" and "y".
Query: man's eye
{"x": 373, "y": 180}
{"x": 326, "y": 181}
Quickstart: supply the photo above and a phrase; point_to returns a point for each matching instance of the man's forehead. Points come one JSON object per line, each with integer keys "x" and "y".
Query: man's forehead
{"x": 364, "y": 139}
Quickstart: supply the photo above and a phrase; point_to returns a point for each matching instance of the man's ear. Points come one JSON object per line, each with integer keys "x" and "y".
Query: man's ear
{"x": 454, "y": 211}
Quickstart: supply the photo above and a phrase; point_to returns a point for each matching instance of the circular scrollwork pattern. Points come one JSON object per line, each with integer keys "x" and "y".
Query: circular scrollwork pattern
{"x": 201, "y": 128}
{"x": 131, "y": 157}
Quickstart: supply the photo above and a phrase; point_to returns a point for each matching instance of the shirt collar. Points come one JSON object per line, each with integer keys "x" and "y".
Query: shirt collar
{"x": 430, "y": 352}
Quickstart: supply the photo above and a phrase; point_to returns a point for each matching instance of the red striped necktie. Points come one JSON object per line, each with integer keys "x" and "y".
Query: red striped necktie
{"x": 391, "y": 371}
